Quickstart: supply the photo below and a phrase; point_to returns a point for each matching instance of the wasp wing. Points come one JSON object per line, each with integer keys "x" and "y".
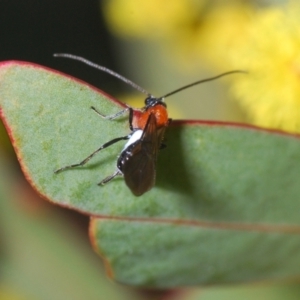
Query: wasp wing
{"x": 140, "y": 167}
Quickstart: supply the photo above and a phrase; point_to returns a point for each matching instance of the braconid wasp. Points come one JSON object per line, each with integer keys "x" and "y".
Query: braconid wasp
{"x": 137, "y": 161}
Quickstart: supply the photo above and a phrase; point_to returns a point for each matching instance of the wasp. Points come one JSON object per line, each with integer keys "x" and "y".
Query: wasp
{"x": 137, "y": 161}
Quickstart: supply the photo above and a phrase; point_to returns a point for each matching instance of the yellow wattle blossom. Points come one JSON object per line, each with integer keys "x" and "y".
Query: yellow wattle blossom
{"x": 216, "y": 36}
{"x": 147, "y": 19}
{"x": 270, "y": 93}
{"x": 227, "y": 35}
{"x": 191, "y": 30}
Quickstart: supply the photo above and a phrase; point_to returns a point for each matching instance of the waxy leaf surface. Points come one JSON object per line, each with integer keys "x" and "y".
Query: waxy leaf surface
{"x": 226, "y": 203}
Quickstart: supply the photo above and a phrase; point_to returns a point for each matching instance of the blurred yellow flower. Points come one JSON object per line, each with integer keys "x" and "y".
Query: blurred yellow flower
{"x": 228, "y": 35}
{"x": 218, "y": 35}
{"x": 192, "y": 30}
{"x": 270, "y": 93}
{"x": 149, "y": 18}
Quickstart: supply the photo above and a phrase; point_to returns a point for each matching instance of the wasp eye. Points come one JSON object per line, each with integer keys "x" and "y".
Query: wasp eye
{"x": 152, "y": 101}
{"x": 149, "y": 101}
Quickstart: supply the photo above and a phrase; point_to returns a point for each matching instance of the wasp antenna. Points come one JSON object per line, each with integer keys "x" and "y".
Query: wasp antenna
{"x": 201, "y": 81}
{"x": 104, "y": 69}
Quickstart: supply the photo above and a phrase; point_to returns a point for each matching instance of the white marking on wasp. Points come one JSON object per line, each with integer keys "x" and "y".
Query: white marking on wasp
{"x": 133, "y": 138}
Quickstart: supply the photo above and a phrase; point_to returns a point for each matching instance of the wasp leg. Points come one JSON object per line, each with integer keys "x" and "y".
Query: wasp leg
{"x": 110, "y": 177}
{"x": 118, "y": 114}
{"x": 93, "y": 154}
{"x": 111, "y": 117}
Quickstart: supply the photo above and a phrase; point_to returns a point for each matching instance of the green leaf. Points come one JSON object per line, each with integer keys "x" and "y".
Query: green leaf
{"x": 225, "y": 207}
{"x": 164, "y": 254}
{"x": 41, "y": 255}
